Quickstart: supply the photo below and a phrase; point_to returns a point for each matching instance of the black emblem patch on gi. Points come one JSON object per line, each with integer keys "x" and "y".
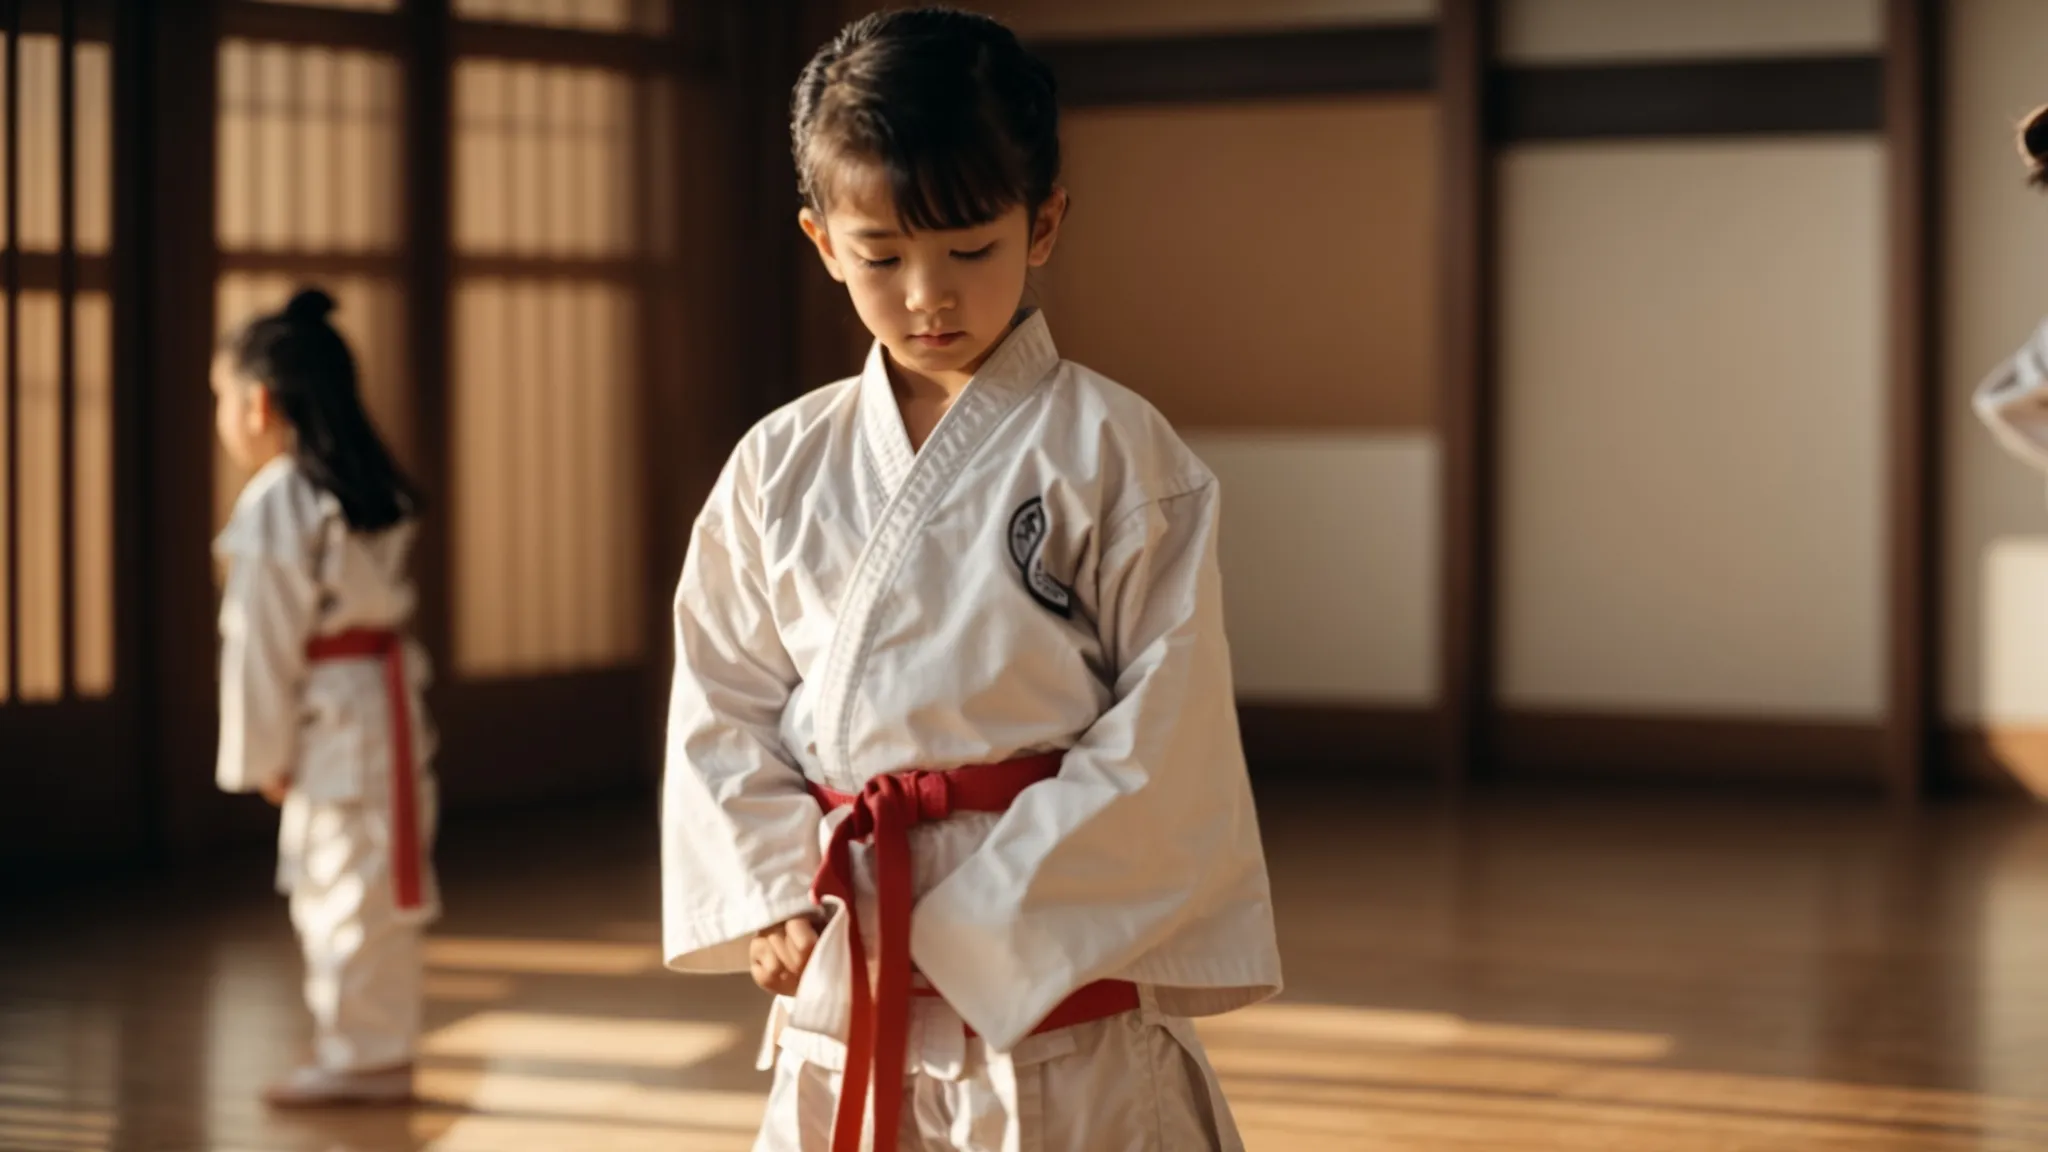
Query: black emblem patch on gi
{"x": 1028, "y": 531}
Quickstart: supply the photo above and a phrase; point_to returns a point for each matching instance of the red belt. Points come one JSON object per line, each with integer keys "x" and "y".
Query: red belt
{"x": 884, "y": 810}
{"x": 389, "y": 647}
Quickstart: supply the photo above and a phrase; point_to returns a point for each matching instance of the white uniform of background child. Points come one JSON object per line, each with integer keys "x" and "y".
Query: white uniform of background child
{"x": 320, "y": 692}
{"x": 2013, "y": 400}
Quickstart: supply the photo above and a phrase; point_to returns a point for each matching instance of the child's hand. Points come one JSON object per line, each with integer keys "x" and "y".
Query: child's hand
{"x": 777, "y": 955}
{"x": 275, "y": 791}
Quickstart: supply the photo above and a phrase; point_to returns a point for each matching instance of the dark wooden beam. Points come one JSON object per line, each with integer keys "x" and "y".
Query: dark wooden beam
{"x": 1724, "y": 750}
{"x": 45, "y": 271}
{"x": 1393, "y": 58}
{"x": 765, "y": 47}
{"x": 1802, "y": 96}
{"x": 126, "y": 276}
{"x": 1336, "y": 741}
{"x": 1466, "y": 406}
{"x": 629, "y": 52}
{"x": 10, "y": 372}
{"x": 89, "y": 19}
{"x": 67, "y": 351}
{"x": 427, "y": 269}
{"x": 658, "y": 214}
{"x": 180, "y": 634}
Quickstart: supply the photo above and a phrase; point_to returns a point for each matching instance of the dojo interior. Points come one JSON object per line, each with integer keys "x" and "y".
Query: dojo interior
{"x": 1642, "y": 650}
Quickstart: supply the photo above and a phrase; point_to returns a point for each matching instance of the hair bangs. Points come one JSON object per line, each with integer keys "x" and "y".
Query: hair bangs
{"x": 941, "y": 174}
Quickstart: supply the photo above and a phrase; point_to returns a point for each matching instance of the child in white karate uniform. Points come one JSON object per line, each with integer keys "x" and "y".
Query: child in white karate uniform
{"x": 320, "y": 692}
{"x": 950, "y": 636}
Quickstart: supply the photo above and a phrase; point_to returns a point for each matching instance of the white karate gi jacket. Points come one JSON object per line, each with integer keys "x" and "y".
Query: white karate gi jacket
{"x": 1040, "y": 576}
{"x": 295, "y": 571}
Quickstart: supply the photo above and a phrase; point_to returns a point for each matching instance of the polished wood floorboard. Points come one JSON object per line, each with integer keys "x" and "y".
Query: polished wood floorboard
{"x": 1654, "y": 974}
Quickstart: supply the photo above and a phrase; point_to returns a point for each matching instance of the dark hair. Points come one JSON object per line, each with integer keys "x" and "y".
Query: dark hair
{"x": 2033, "y": 143}
{"x": 963, "y": 120}
{"x": 303, "y": 363}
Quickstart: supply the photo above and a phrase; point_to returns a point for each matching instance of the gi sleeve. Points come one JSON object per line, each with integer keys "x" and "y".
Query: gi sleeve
{"x": 739, "y": 833}
{"x": 1149, "y": 819}
{"x": 267, "y": 612}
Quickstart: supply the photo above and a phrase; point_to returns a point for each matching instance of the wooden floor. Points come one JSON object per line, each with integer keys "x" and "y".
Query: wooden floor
{"x": 1648, "y": 975}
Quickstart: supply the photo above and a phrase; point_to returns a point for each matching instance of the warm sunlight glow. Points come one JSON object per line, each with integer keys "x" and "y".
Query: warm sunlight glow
{"x": 56, "y": 1117}
{"x": 582, "y": 1039}
{"x": 47, "y": 389}
{"x": 645, "y": 16}
{"x": 545, "y": 452}
{"x": 1313, "y": 1118}
{"x": 309, "y": 157}
{"x": 1385, "y": 1084}
{"x": 609, "y": 1100}
{"x": 523, "y": 1134}
{"x": 54, "y": 1127}
{"x": 40, "y": 500}
{"x": 553, "y": 169}
{"x": 1285, "y": 1023}
{"x": 40, "y": 142}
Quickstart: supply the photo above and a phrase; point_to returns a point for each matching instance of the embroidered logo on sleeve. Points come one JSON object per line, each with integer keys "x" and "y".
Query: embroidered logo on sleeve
{"x": 1028, "y": 531}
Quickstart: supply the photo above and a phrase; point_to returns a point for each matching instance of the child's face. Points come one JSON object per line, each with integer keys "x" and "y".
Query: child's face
{"x": 938, "y": 301}
{"x": 243, "y": 418}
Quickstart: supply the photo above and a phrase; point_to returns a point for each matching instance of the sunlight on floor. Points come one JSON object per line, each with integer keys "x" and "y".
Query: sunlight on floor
{"x": 1309, "y": 1077}
{"x": 601, "y": 1040}
{"x": 521, "y": 1134}
{"x": 1300, "y": 1077}
{"x": 55, "y": 1127}
{"x": 611, "y": 1100}
{"x": 1289, "y": 1023}
{"x": 1346, "y": 1117}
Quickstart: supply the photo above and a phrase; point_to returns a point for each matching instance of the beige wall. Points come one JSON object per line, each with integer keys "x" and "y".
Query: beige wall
{"x": 1557, "y": 31}
{"x": 1691, "y": 385}
{"x": 1996, "y": 626}
{"x": 1331, "y": 584}
{"x": 1265, "y": 273}
{"x": 1082, "y": 18}
{"x": 1647, "y": 566}
{"x": 1295, "y": 238}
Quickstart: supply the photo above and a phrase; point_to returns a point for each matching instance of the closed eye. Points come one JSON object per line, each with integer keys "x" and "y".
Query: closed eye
{"x": 980, "y": 253}
{"x": 885, "y": 262}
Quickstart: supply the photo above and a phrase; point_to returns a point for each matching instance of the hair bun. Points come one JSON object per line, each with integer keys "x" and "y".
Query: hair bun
{"x": 2033, "y": 145}
{"x": 309, "y": 305}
